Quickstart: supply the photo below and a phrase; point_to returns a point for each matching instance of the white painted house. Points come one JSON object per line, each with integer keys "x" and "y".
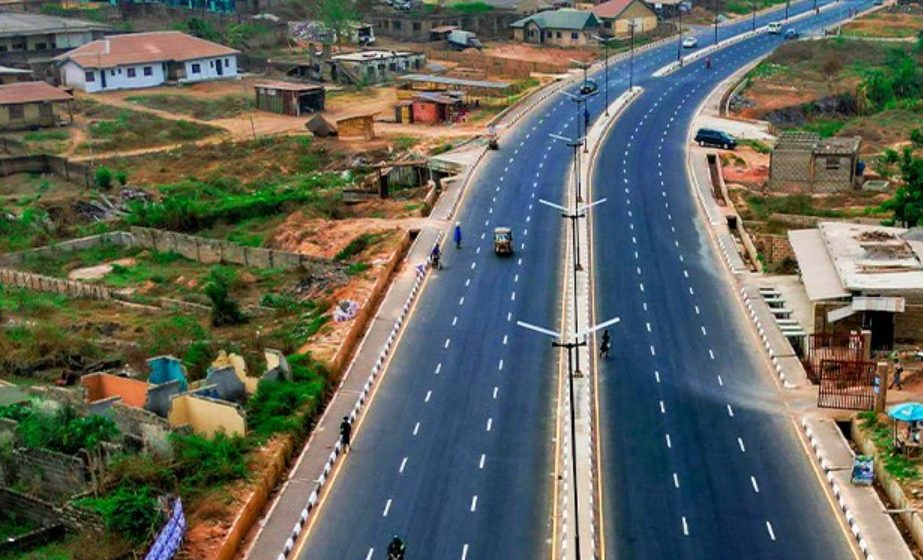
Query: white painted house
{"x": 141, "y": 60}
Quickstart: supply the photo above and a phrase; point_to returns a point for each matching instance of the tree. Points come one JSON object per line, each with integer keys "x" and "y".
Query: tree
{"x": 338, "y": 16}
{"x": 908, "y": 200}
{"x": 225, "y": 310}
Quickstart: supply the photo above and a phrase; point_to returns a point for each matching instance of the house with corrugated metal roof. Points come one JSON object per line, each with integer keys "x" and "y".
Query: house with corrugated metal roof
{"x": 566, "y": 27}
{"x": 140, "y": 60}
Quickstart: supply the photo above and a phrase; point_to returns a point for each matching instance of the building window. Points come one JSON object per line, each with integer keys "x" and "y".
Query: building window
{"x": 396, "y": 25}
{"x": 112, "y": 72}
{"x": 227, "y": 62}
{"x": 559, "y": 34}
{"x": 574, "y": 35}
{"x": 417, "y": 26}
{"x": 131, "y": 72}
{"x": 16, "y": 113}
{"x": 832, "y": 163}
{"x": 211, "y": 63}
{"x": 19, "y": 46}
{"x": 196, "y": 68}
{"x": 89, "y": 76}
{"x": 40, "y": 46}
{"x": 607, "y": 24}
{"x": 148, "y": 70}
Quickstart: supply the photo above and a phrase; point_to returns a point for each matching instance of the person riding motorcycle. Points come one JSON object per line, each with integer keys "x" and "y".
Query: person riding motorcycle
{"x": 707, "y": 62}
{"x": 396, "y": 549}
{"x": 435, "y": 257}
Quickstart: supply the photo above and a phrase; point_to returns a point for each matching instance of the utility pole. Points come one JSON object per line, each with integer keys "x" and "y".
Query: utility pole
{"x": 605, "y": 41}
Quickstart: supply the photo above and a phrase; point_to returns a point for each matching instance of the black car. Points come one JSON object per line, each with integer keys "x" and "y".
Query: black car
{"x": 709, "y": 137}
{"x": 588, "y": 87}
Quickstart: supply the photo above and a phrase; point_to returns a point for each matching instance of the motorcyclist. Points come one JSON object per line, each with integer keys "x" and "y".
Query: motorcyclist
{"x": 396, "y": 549}
{"x": 435, "y": 256}
{"x": 707, "y": 62}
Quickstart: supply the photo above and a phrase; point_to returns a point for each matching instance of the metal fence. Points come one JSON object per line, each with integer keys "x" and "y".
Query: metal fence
{"x": 847, "y": 384}
{"x": 836, "y": 347}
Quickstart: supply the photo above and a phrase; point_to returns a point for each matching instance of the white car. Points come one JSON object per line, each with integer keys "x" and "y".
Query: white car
{"x": 690, "y": 42}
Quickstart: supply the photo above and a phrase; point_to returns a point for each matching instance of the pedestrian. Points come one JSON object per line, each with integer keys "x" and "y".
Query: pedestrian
{"x": 898, "y": 371}
{"x": 606, "y": 344}
{"x": 457, "y": 235}
{"x": 346, "y": 430}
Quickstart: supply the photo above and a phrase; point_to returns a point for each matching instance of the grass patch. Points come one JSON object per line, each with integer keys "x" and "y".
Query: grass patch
{"x": 357, "y": 245}
{"x": 826, "y": 128}
{"x": 800, "y": 204}
{"x": 196, "y": 107}
{"x": 286, "y": 407}
{"x": 116, "y": 129}
{"x": 759, "y": 147}
{"x": 46, "y": 135}
{"x": 895, "y": 463}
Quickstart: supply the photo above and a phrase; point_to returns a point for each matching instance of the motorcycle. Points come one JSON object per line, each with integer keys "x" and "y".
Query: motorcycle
{"x": 436, "y": 261}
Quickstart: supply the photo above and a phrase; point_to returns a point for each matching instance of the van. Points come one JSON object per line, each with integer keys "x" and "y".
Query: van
{"x": 709, "y": 137}
{"x": 775, "y": 28}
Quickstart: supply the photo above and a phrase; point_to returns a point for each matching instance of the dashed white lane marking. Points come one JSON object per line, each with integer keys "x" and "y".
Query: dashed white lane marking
{"x": 428, "y": 395}
{"x": 500, "y": 365}
{"x": 490, "y": 423}
{"x": 642, "y": 286}
{"x": 481, "y": 462}
{"x": 474, "y": 502}
{"x": 387, "y": 508}
{"x": 711, "y": 354}
{"x": 438, "y": 368}
{"x": 464, "y": 555}
{"x": 740, "y": 443}
{"x": 669, "y": 444}
{"x": 519, "y": 262}
{"x": 720, "y": 381}
{"x": 461, "y": 300}
{"x": 657, "y": 376}
{"x": 403, "y": 464}
{"x": 704, "y": 332}
{"x": 509, "y": 317}
{"x": 756, "y": 487}
{"x": 730, "y": 411}
{"x": 644, "y": 303}
{"x": 369, "y": 555}
{"x": 454, "y": 320}
{"x": 696, "y": 309}
{"x": 495, "y": 392}
{"x": 447, "y": 342}
{"x": 467, "y": 282}
{"x": 685, "y": 527}
{"x": 653, "y": 353}
{"x": 772, "y": 534}
{"x": 474, "y": 265}
{"x": 416, "y": 428}
{"x": 648, "y": 325}
{"x": 663, "y": 410}
{"x": 513, "y": 296}
{"x": 686, "y": 273}
{"x": 675, "y": 480}
{"x": 478, "y": 251}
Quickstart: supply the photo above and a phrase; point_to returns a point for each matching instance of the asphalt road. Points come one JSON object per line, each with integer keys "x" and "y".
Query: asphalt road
{"x": 698, "y": 460}
{"x": 454, "y": 454}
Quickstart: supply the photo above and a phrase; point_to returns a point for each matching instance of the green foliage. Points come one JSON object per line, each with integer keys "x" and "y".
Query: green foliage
{"x": 121, "y": 177}
{"x": 356, "y": 268}
{"x": 29, "y": 302}
{"x": 23, "y": 231}
{"x": 357, "y": 245}
{"x": 46, "y": 135}
{"x": 901, "y": 78}
{"x": 130, "y": 511}
{"x": 916, "y": 137}
{"x": 195, "y": 205}
{"x": 225, "y": 310}
{"x": 472, "y": 7}
{"x": 201, "y": 463}
{"x": 894, "y": 462}
{"x": 758, "y": 146}
{"x": 63, "y": 431}
{"x": 124, "y": 129}
{"x": 907, "y": 203}
{"x": 801, "y": 204}
{"x": 198, "y": 108}
{"x": 826, "y": 128}
{"x": 337, "y": 16}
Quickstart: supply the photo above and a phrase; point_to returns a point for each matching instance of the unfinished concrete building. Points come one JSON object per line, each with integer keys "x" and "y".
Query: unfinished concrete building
{"x": 357, "y": 68}
{"x": 418, "y": 25}
{"x": 804, "y": 162}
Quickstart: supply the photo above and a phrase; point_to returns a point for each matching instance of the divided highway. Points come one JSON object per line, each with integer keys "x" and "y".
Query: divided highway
{"x": 699, "y": 459}
{"x": 454, "y": 454}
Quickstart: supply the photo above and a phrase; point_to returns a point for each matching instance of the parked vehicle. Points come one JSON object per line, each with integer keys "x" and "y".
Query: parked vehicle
{"x": 690, "y": 42}
{"x": 790, "y": 34}
{"x": 588, "y": 87}
{"x": 461, "y": 39}
{"x": 775, "y": 28}
{"x": 365, "y": 35}
{"x": 710, "y": 137}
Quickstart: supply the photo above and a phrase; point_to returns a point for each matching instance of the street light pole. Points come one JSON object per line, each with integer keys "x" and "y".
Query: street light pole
{"x": 631, "y": 60}
{"x": 605, "y": 41}
{"x": 752, "y": 15}
{"x": 679, "y": 41}
{"x": 786, "y": 10}
{"x": 717, "y": 10}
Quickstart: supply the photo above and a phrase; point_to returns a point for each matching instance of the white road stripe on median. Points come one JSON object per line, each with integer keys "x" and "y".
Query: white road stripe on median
{"x": 720, "y": 381}
{"x": 447, "y": 342}
{"x": 500, "y": 365}
{"x": 663, "y": 410}
{"x": 495, "y": 392}
{"x": 730, "y": 411}
{"x": 504, "y": 340}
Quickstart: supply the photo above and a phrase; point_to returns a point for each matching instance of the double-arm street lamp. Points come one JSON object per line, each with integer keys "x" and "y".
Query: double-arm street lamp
{"x": 605, "y": 41}
{"x": 583, "y": 116}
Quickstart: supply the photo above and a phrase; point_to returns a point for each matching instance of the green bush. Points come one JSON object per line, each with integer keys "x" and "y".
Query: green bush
{"x": 63, "y": 431}
{"x": 103, "y": 177}
{"x": 201, "y": 463}
{"x": 130, "y": 511}
{"x": 357, "y": 245}
{"x": 916, "y": 137}
{"x": 121, "y": 177}
{"x": 282, "y": 406}
{"x": 225, "y": 310}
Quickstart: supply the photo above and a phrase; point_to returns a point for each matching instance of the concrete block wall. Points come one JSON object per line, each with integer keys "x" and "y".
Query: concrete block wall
{"x": 51, "y": 476}
{"x": 33, "y": 509}
{"x": 17, "y": 258}
{"x": 790, "y": 166}
{"x": 47, "y": 284}
{"x": 775, "y": 248}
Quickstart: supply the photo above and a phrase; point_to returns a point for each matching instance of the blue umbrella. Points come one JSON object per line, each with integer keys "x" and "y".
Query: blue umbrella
{"x": 907, "y": 412}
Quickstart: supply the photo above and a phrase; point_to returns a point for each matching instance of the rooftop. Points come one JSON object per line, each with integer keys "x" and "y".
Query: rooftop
{"x": 565, "y": 18}
{"x": 288, "y": 86}
{"x": 370, "y": 55}
{"x": 29, "y": 92}
{"x": 820, "y": 146}
{"x": 612, "y": 8}
{"x": 139, "y": 48}
{"x": 19, "y": 23}
{"x": 840, "y": 258}
{"x": 444, "y": 80}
